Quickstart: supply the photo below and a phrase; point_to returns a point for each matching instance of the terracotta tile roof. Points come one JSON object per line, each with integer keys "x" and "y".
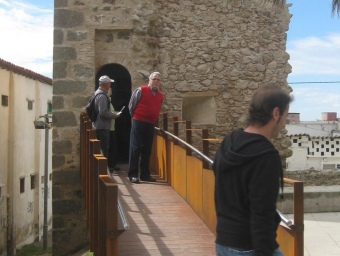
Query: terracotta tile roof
{"x": 24, "y": 72}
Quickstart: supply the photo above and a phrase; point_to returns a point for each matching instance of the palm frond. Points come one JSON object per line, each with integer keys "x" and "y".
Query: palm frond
{"x": 335, "y": 7}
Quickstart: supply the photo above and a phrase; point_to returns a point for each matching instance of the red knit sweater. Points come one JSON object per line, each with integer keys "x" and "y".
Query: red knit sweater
{"x": 149, "y": 106}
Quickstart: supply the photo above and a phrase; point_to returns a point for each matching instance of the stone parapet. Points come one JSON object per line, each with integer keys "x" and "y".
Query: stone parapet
{"x": 316, "y": 199}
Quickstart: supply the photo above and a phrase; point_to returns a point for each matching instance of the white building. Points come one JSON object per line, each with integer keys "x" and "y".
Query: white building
{"x": 315, "y": 144}
{"x": 25, "y": 95}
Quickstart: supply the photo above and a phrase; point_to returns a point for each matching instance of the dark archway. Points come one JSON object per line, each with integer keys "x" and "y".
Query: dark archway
{"x": 121, "y": 93}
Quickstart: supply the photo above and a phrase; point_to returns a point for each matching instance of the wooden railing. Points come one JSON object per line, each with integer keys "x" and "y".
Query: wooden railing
{"x": 100, "y": 193}
{"x": 184, "y": 167}
{"x": 291, "y": 237}
{"x": 172, "y": 159}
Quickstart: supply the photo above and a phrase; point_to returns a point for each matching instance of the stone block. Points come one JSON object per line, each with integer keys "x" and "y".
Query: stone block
{"x": 62, "y": 147}
{"x": 67, "y": 87}
{"x": 57, "y": 161}
{"x": 59, "y": 70}
{"x": 64, "y": 119}
{"x": 67, "y": 18}
{"x": 58, "y": 102}
{"x": 64, "y": 53}
{"x": 65, "y": 207}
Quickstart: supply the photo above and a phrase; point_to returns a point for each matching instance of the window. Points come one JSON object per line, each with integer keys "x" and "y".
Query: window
{"x": 22, "y": 185}
{"x": 49, "y": 107}
{"x": 328, "y": 166}
{"x": 294, "y": 140}
{"x": 199, "y": 109}
{"x": 4, "y": 100}
{"x": 29, "y": 104}
{"x": 33, "y": 181}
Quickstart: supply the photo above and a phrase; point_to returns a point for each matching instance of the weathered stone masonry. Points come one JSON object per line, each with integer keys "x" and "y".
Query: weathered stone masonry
{"x": 212, "y": 55}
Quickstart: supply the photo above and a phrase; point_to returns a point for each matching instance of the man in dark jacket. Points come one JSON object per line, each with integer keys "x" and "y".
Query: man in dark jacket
{"x": 247, "y": 170}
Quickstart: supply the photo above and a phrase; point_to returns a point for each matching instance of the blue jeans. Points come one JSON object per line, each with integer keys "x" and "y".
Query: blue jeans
{"x": 141, "y": 140}
{"x": 229, "y": 251}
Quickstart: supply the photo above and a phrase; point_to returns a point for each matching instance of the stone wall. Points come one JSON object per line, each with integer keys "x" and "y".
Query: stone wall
{"x": 216, "y": 50}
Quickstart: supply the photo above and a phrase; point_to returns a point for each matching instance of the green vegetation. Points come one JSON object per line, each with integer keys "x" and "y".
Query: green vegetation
{"x": 32, "y": 249}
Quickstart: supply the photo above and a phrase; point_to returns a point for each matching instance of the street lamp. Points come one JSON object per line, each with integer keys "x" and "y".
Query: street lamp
{"x": 44, "y": 125}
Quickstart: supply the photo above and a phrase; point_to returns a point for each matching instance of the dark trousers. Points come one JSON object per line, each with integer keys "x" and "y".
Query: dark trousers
{"x": 104, "y": 137}
{"x": 113, "y": 150}
{"x": 141, "y": 139}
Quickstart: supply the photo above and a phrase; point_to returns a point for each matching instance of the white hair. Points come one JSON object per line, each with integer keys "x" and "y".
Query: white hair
{"x": 154, "y": 73}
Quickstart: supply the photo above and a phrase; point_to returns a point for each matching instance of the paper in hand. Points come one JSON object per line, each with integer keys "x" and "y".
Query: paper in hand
{"x": 121, "y": 110}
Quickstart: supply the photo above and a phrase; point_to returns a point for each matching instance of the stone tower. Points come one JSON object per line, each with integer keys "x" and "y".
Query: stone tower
{"x": 212, "y": 55}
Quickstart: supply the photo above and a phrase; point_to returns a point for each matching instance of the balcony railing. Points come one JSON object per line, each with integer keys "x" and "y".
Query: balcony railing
{"x": 192, "y": 178}
{"x": 184, "y": 167}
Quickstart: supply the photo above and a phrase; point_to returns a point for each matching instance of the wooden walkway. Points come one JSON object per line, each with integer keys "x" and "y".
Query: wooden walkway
{"x": 161, "y": 222}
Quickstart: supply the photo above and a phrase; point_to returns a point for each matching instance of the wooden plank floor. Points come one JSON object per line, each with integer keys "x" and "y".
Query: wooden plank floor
{"x": 161, "y": 222}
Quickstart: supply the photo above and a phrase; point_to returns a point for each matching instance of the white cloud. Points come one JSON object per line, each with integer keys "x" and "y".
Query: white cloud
{"x": 315, "y": 55}
{"x": 27, "y": 36}
{"x": 312, "y": 100}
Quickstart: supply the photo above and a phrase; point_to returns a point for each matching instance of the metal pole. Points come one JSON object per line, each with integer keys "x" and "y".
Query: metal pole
{"x": 45, "y": 183}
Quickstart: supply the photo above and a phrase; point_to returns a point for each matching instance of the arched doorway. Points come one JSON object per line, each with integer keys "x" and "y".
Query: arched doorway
{"x": 121, "y": 93}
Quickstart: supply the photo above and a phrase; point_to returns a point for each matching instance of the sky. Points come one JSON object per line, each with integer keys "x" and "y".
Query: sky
{"x": 26, "y": 34}
{"x": 313, "y": 43}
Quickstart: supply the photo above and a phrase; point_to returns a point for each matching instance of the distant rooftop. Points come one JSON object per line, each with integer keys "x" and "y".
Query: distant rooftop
{"x": 24, "y": 72}
{"x": 325, "y": 116}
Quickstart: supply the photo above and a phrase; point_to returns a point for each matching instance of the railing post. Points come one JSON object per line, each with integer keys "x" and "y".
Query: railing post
{"x": 90, "y": 134}
{"x": 188, "y": 136}
{"x": 94, "y": 150}
{"x": 175, "y": 128}
{"x": 99, "y": 168}
{"x": 82, "y": 144}
{"x": 108, "y": 217}
{"x": 205, "y": 146}
{"x": 298, "y": 217}
{"x": 87, "y": 128}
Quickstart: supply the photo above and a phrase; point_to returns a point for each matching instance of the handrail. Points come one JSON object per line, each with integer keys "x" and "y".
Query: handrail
{"x": 186, "y": 144}
{"x": 120, "y": 208}
{"x": 283, "y": 217}
{"x": 122, "y": 216}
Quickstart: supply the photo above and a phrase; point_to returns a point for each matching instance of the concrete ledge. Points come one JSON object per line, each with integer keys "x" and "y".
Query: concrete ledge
{"x": 316, "y": 199}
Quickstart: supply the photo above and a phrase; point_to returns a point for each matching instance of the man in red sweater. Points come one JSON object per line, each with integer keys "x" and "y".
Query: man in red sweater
{"x": 145, "y": 106}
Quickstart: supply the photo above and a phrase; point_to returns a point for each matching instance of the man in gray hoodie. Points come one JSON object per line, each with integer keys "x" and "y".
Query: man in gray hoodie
{"x": 103, "y": 123}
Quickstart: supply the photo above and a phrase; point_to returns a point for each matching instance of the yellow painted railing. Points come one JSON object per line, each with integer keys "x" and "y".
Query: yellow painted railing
{"x": 189, "y": 174}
